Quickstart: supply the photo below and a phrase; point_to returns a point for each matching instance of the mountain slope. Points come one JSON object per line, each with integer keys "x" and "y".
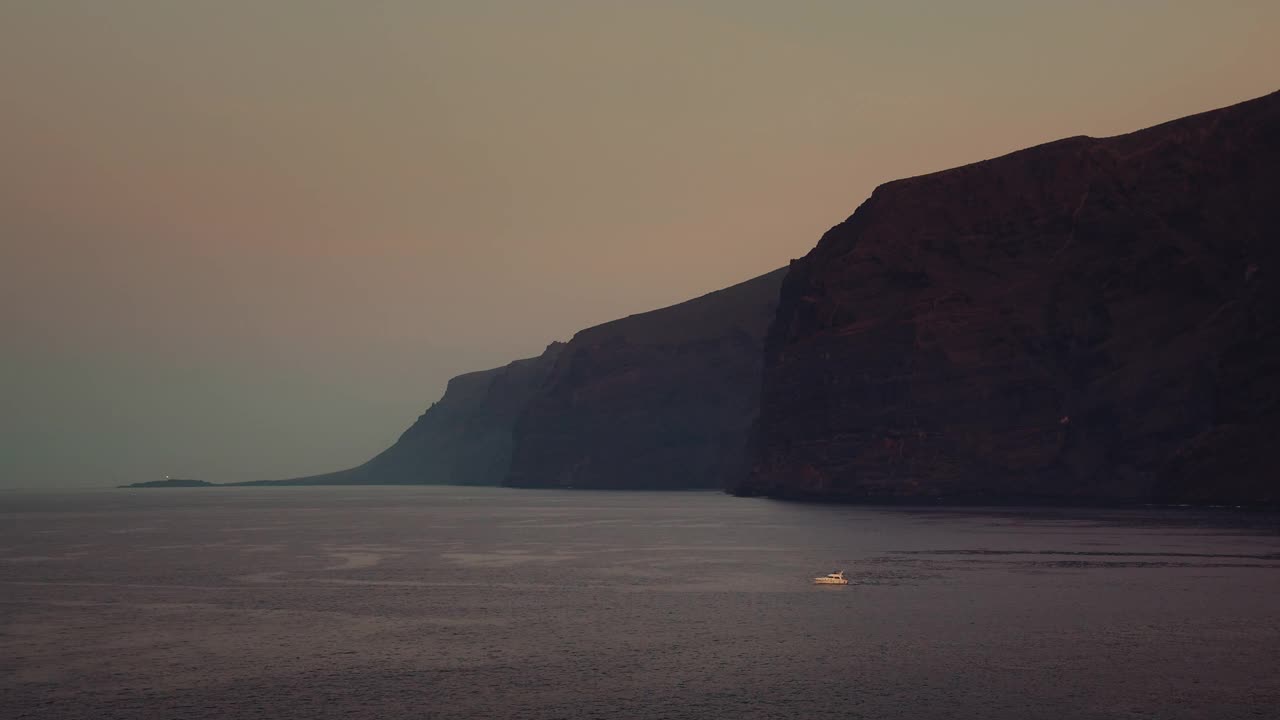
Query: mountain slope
{"x": 464, "y": 439}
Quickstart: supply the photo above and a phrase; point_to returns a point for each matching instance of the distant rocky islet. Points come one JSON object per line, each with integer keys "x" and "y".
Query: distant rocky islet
{"x": 170, "y": 483}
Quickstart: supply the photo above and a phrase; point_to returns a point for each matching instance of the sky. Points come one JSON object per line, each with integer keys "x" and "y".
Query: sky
{"x": 253, "y": 239}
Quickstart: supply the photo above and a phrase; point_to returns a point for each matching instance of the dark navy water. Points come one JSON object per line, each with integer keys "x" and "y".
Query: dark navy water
{"x": 487, "y": 603}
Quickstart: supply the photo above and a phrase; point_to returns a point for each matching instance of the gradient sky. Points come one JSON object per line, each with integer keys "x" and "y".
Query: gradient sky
{"x": 253, "y": 239}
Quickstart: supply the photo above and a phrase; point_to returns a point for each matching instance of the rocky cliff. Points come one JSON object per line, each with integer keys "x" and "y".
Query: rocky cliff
{"x": 464, "y": 439}
{"x": 1087, "y": 320}
{"x": 658, "y": 400}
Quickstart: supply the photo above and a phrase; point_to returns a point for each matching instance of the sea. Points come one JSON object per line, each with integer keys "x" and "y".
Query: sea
{"x": 437, "y": 602}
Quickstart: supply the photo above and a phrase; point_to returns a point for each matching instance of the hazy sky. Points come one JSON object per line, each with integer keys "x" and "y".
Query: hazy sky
{"x": 244, "y": 240}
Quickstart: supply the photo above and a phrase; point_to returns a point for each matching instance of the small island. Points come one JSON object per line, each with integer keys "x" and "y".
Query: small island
{"x": 169, "y": 483}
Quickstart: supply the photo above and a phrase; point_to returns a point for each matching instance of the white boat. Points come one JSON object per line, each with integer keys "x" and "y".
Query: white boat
{"x": 835, "y": 578}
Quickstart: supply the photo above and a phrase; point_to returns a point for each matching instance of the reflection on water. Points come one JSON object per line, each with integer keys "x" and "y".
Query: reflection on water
{"x": 438, "y": 602}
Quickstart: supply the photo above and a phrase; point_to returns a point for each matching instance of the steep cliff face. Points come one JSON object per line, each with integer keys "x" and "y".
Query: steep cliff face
{"x": 659, "y": 400}
{"x": 1091, "y": 319}
{"x": 464, "y": 439}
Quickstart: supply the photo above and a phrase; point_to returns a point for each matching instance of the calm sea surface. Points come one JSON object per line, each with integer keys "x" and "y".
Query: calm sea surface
{"x": 487, "y": 603}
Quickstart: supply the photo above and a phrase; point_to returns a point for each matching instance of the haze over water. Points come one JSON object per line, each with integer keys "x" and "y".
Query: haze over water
{"x": 483, "y": 603}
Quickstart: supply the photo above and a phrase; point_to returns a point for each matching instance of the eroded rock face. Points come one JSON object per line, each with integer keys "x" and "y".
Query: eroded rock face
{"x": 464, "y": 439}
{"x": 1087, "y": 320}
{"x": 659, "y": 400}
